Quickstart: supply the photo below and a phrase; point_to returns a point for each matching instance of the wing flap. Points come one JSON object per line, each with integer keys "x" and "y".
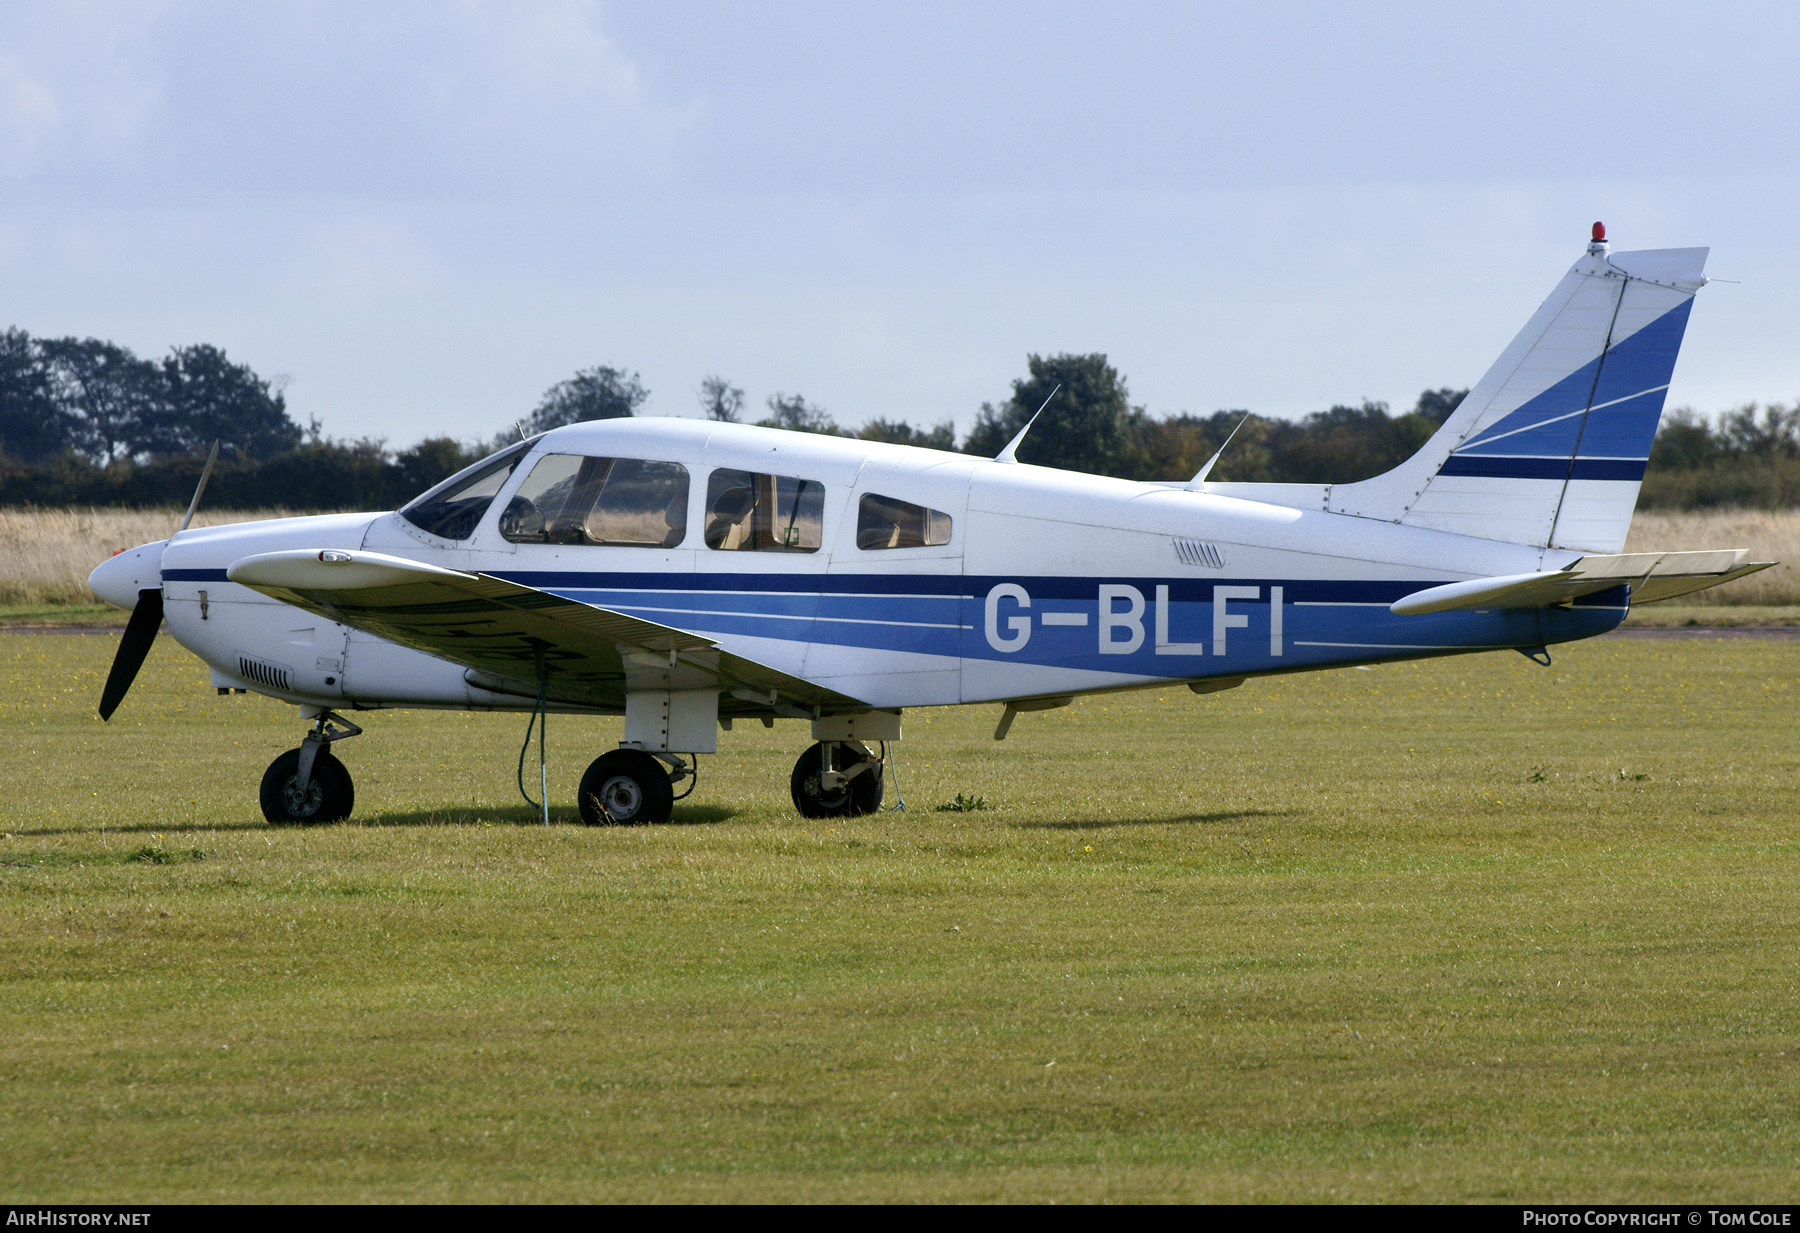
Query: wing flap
{"x": 505, "y": 632}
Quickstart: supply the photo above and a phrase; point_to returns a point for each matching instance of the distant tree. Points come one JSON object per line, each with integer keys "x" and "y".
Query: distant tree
{"x": 108, "y": 394}
{"x": 1087, "y": 426}
{"x": 204, "y": 397}
{"x": 1177, "y": 447}
{"x": 1684, "y": 442}
{"x": 795, "y": 414}
{"x": 1344, "y": 443}
{"x": 1436, "y": 405}
{"x": 591, "y": 394}
{"x": 33, "y": 428}
{"x": 940, "y": 436}
{"x": 721, "y": 399}
{"x": 429, "y": 462}
{"x": 1775, "y": 435}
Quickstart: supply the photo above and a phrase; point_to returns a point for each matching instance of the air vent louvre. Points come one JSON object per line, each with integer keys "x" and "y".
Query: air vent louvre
{"x": 255, "y": 670}
{"x": 1199, "y": 552}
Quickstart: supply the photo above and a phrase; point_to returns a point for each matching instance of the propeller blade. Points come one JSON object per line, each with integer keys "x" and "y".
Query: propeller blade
{"x": 140, "y": 632}
{"x": 205, "y": 474}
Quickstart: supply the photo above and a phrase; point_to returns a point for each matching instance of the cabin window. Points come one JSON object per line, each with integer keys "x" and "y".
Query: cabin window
{"x": 888, "y": 522}
{"x": 763, "y": 513}
{"x": 454, "y": 508}
{"x": 623, "y": 502}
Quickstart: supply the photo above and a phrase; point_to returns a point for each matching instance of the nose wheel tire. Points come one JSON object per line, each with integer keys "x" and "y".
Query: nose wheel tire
{"x": 328, "y": 796}
{"x": 626, "y": 788}
{"x": 859, "y": 795}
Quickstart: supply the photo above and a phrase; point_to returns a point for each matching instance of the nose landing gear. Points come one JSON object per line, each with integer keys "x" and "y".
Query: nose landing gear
{"x": 309, "y": 785}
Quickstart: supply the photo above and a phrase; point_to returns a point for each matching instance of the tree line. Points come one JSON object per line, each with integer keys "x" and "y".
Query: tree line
{"x": 87, "y": 422}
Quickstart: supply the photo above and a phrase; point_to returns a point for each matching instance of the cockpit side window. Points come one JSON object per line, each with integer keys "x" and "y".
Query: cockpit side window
{"x": 748, "y": 512}
{"x": 454, "y": 508}
{"x": 888, "y": 522}
{"x": 623, "y": 502}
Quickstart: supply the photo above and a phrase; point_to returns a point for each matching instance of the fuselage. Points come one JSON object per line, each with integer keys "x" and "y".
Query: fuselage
{"x": 1035, "y": 582}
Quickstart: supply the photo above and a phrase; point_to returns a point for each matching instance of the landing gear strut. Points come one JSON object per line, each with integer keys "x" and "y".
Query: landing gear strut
{"x": 309, "y": 785}
{"x": 836, "y": 779}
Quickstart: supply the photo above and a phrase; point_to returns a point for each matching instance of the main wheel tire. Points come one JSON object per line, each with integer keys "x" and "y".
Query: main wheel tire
{"x": 329, "y": 794}
{"x": 860, "y": 796}
{"x": 626, "y": 788}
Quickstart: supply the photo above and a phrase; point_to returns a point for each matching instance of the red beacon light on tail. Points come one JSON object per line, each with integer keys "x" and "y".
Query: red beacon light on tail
{"x": 1599, "y": 233}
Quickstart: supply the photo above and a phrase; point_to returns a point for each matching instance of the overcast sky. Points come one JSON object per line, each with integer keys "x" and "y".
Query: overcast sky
{"x": 425, "y": 214}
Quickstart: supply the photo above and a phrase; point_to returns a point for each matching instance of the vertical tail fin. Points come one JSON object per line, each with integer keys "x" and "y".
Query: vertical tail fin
{"x": 1549, "y": 447}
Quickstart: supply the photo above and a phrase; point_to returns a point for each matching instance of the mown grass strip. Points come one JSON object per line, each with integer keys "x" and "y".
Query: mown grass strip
{"x": 1467, "y": 929}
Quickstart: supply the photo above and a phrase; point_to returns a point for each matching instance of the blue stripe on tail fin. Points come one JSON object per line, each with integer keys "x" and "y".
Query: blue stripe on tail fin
{"x": 1550, "y": 446}
{"x": 1607, "y": 436}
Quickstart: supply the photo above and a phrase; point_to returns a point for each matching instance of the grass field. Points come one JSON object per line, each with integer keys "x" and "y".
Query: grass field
{"x": 1462, "y": 930}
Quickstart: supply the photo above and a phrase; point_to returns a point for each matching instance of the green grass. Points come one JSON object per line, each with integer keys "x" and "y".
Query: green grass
{"x": 63, "y": 614}
{"x": 1462, "y": 930}
{"x": 1672, "y": 614}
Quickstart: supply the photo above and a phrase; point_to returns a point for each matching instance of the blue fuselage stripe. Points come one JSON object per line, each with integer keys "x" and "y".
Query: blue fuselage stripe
{"x": 949, "y": 616}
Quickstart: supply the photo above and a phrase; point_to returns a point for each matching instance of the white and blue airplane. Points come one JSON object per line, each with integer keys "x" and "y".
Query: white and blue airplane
{"x": 689, "y": 574}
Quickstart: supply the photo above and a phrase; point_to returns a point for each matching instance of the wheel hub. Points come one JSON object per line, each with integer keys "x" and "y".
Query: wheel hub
{"x": 621, "y": 797}
{"x": 830, "y": 798}
{"x": 303, "y": 803}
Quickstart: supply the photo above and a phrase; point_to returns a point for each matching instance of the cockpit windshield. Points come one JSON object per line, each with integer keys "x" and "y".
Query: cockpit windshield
{"x": 454, "y": 507}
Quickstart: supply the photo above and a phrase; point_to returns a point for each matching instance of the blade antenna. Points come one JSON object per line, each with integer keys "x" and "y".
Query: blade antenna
{"x": 205, "y": 474}
{"x": 1198, "y": 483}
{"x": 1012, "y": 447}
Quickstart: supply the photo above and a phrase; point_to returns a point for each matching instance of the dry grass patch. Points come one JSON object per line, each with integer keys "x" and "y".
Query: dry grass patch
{"x": 1770, "y": 535}
{"x": 47, "y": 554}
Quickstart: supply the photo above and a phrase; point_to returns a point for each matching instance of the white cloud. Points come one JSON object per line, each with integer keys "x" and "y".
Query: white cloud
{"x": 366, "y": 259}
{"x": 327, "y": 97}
{"x": 77, "y": 80}
{"x": 549, "y": 69}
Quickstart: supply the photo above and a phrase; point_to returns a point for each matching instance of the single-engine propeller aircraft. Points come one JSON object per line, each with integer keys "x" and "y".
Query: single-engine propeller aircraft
{"x": 690, "y": 574}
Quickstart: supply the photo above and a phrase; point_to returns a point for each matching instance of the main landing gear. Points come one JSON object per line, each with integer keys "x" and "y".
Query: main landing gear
{"x": 836, "y": 779}
{"x": 629, "y": 787}
{"x": 309, "y": 785}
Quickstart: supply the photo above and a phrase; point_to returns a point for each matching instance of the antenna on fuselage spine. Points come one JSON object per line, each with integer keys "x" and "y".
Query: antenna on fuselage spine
{"x": 1012, "y": 447}
{"x": 1198, "y": 483}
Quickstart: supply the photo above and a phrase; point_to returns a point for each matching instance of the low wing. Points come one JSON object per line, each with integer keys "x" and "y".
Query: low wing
{"x": 1650, "y": 575}
{"x": 506, "y": 633}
